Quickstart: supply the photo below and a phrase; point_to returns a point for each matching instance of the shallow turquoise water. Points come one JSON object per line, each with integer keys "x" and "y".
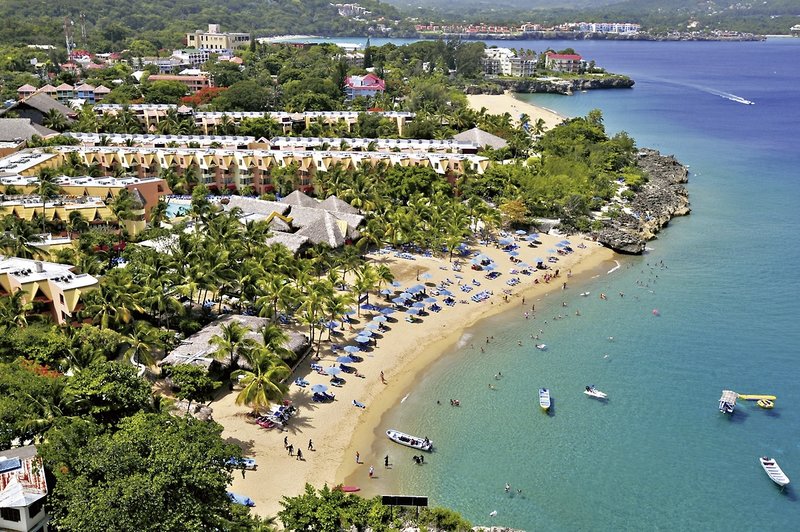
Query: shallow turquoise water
{"x": 658, "y": 455}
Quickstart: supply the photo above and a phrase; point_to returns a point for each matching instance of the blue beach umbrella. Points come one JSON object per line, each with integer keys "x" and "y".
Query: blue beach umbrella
{"x": 351, "y": 349}
{"x": 379, "y": 319}
{"x": 387, "y": 311}
{"x": 413, "y": 311}
{"x": 332, "y": 371}
{"x": 489, "y": 267}
{"x": 371, "y": 326}
{"x": 560, "y": 245}
{"x": 418, "y": 304}
{"x": 417, "y": 288}
{"x": 362, "y": 339}
{"x": 551, "y": 251}
{"x": 396, "y": 283}
{"x": 365, "y": 332}
{"x": 505, "y": 241}
{"x": 538, "y": 259}
{"x": 386, "y": 291}
{"x": 514, "y": 253}
{"x": 319, "y": 388}
{"x": 399, "y": 300}
{"x": 345, "y": 360}
{"x": 426, "y": 275}
{"x": 521, "y": 232}
{"x": 566, "y": 242}
{"x": 446, "y": 292}
{"x": 405, "y": 295}
{"x": 332, "y": 324}
{"x": 430, "y": 300}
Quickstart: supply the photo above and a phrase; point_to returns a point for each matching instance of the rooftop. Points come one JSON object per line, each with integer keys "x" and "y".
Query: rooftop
{"x": 29, "y": 270}
{"x": 22, "y": 478}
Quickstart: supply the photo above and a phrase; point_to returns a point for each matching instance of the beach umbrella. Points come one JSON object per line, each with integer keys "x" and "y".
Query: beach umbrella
{"x": 414, "y": 311}
{"x": 351, "y": 349}
{"x": 320, "y": 388}
{"x": 538, "y": 259}
{"x": 489, "y": 267}
{"x": 362, "y": 339}
{"x": 476, "y": 261}
{"x": 387, "y": 310}
{"x": 399, "y": 300}
{"x": 418, "y": 304}
{"x": 552, "y": 251}
{"x": 521, "y": 232}
{"x": 332, "y": 371}
{"x": 372, "y": 325}
{"x": 417, "y": 288}
{"x": 396, "y": 283}
{"x": 430, "y": 300}
{"x": 386, "y": 291}
{"x": 405, "y": 295}
{"x": 345, "y": 360}
{"x": 514, "y": 253}
{"x": 365, "y": 332}
{"x": 332, "y": 324}
{"x": 560, "y": 245}
{"x": 426, "y": 275}
{"x": 566, "y": 242}
{"x": 459, "y": 276}
{"x": 505, "y": 241}
{"x": 379, "y": 319}
{"x": 445, "y": 292}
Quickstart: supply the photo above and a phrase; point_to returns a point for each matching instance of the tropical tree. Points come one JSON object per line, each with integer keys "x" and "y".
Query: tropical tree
{"x": 231, "y": 342}
{"x": 55, "y": 120}
{"x": 262, "y": 384}
{"x": 48, "y": 189}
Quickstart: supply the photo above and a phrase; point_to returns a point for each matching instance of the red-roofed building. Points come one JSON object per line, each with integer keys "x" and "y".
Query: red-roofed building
{"x": 563, "y": 62}
{"x": 366, "y": 86}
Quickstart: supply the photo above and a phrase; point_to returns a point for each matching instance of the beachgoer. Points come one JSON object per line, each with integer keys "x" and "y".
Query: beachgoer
{"x": 299, "y": 454}
{"x": 358, "y": 457}
{"x": 386, "y": 461}
{"x": 508, "y": 487}
{"x": 291, "y": 449}
{"x": 310, "y": 445}
{"x": 285, "y": 442}
{"x": 371, "y": 471}
{"x": 421, "y": 459}
{"x": 383, "y": 380}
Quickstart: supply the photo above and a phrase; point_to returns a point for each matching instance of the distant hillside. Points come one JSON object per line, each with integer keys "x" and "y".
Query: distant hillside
{"x": 111, "y": 24}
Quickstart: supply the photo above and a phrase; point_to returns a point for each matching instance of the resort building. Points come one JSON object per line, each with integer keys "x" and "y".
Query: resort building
{"x": 29, "y": 206}
{"x": 365, "y": 86}
{"x": 19, "y": 130}
{"x": 197, "y": 350}
{"x": 36, "y": 107}
{"x": 505, "y": 62}
{"x": 227, "y": 142}
{"x": 193, "y": 83}
{"x": 151, "y": 114}
{"x": 563, "y": 62}
{"x": 23, "y": 490}
{"x": 608, "y": 27}
{"x": 369, "y": 145}
{"x": 52, "y": 289}
{"x": 215, "y": 41}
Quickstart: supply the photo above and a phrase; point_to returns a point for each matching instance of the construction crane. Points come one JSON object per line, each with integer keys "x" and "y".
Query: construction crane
{"x": 68, "y": 24}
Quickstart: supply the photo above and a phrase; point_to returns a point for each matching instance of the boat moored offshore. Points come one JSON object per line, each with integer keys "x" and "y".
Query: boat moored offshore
{"x": 774, "y": 471}
{"x": 415, "y": 442}
{"x": 544, "y": 399}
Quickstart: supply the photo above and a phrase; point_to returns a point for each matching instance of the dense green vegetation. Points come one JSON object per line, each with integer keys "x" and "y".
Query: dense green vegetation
{"x": 111, "y": 25}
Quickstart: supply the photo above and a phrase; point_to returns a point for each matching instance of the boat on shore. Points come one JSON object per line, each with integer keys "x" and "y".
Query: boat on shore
{"x": 591, "y": 391}
{"x": 544, "y": 399}
{"x": 415, "y": 442}
{"x": 774, "y": 471}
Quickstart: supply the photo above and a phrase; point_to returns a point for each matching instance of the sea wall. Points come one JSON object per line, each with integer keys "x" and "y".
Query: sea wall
{"x": 653, "y": 206}
{"x": 564, "y": 86}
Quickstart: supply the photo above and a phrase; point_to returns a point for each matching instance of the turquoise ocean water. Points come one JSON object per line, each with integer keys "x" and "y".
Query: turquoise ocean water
{"x": 658, "y": 455}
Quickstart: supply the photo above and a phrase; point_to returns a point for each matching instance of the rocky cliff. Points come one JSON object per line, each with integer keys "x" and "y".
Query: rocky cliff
{"x": 564, "y": 86}
{"x": 661, "y": 198}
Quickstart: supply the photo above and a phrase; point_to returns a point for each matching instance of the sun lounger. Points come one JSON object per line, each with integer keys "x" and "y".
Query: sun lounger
{"x": 347, "y": 369}
{"x": 301, "y": 382}
{"x": 337, "y": 381}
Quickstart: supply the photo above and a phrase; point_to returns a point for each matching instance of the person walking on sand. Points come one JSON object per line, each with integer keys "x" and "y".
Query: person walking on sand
{"x": 371, "y": 471}
{"x": 291, "y": 449}
{"x": 386, "y": 461}
{"x": 285, "y": 442}
{"x": 383, "y": 379}
{"x": 299, "y": 455}
{"x": 310, "y": 445}
{"x": 358, "y": 457}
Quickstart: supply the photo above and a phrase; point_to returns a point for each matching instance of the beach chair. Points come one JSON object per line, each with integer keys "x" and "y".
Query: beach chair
{"x": 301, "y": 382}
{"x": 359, "y": 404}
{"x": 347, "y": 369}
{"x": 338, "y": 381}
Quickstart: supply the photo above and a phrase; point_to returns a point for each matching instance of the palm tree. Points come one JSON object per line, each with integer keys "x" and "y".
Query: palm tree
{"x": 55, "y": 120}
{"x": 275, "y": 340}
{"x": 262, "y": 384}
{"x": 114, "y": 301}
{"x": 232, "y": 341}
{"x": 140, "y": 344}
{"x": 48, "y": 189}
{"x": 14, "y": 309}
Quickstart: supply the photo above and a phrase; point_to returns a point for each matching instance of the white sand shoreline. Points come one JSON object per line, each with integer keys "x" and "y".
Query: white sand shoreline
{"x": 498, "y": 104}
{"x": 338, "y": 429}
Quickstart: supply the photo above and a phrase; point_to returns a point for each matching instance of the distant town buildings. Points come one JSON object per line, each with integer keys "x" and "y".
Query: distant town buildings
{"x": 65, "y": 92}
{"x": 366, "y": 86}
{"x": 215, "y": 41}
{"x": 352, "y": 10}
{"x": 795, "y": 30}
{"x": 528, "y": 27}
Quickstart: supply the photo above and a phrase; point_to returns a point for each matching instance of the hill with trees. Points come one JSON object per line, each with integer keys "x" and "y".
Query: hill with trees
{"x": 111, "y": 24}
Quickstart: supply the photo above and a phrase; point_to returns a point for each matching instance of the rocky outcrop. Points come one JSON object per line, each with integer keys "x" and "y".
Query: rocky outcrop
{"x": 564, "y": 86}
{"x": 661, "y": 198}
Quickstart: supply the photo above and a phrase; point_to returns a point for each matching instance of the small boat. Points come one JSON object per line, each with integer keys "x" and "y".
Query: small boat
{"x": 585, "y": 294}
{"x": 774, "y": 471}
{"x": 415, "y": 442}
{"x": 541, "y": 347}
{"x": 766, "y": 403}
{"x": 544, "y": 399}
{"x": 591, "y": 391}
{"x": 347, "y": 489}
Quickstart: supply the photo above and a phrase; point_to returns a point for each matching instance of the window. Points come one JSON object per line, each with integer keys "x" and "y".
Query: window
{"x": 35, "y": 508}
{"x": 10, "y": 514}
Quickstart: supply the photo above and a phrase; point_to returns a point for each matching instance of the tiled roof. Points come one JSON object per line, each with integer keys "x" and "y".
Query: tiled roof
{"x": 481, "y": 138}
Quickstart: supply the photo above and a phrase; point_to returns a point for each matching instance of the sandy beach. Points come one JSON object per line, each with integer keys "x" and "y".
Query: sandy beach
{"x": 340, "y": 429}
{"x": 498, "y": 104}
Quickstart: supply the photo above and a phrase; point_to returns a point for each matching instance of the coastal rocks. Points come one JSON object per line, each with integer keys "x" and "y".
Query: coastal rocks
{"x": 661, "y": 198}
{"x": 564, "y": 86}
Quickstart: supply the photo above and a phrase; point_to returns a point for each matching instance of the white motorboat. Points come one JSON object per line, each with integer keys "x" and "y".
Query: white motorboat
{"x": 774, "y": 471}
{"x": 544, "y": 399}
{"x": 415, "y": 442}
{"x": 591, "y": 391}
{"x": 541, "y": 347}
